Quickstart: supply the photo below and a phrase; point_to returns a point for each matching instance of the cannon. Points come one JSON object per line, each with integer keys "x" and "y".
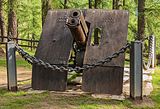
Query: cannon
{"x": 79, "y": 30}
{"x": 66, "y": 29}
{"x": 78, "y": 27}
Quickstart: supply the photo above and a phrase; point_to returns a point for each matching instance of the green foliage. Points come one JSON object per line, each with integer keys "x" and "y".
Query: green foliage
{"x": 156, "y": 85}
{"x": 29, "y": 19}
{"x": 30, "y": 16}
{"x": 153, "y": 20}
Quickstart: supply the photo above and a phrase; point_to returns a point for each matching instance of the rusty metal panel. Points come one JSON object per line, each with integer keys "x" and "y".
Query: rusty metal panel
{"x": 54, "y": 47}
{"x": 109, "y": 78}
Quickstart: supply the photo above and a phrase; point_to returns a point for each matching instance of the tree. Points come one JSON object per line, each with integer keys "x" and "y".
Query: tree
{"x": 12, "y": 18}
{"x": 90, "y": 4}
{"x": 96, "y": 31}
{"x": 65, "y": 4}
{"x": 97, "y": 4}
{"x": 2, "y": 22}
{"x": 124, "y": 2}
{"x": 115, "y": 4}
{"x": 29, "y": 19}
{"x": 46, "y": 5}
{"x": 141, "y": 19}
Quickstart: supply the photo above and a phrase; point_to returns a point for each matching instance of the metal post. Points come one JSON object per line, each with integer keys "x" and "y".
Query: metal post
{"x": 152, "y": 44}
{"x": 136, "y": 72}
{"x": 11, "y": 66}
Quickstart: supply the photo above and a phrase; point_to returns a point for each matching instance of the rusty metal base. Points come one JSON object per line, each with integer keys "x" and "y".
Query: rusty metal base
{"x": 46, "y": 79}
{"x": 104, "y": 80}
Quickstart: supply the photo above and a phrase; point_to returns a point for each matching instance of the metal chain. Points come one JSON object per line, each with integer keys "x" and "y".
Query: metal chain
{"x": 147, "y": 64}
{"x": 34, "y": 60}
{"x": 109, "y": 58}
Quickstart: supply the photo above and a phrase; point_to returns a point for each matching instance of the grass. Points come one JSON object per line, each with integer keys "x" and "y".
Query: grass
{"x": 156, "y": 84}
{"x": 19, "y": 61}
{"x": 27, "y": 100}
{"x": 19, "y": 100}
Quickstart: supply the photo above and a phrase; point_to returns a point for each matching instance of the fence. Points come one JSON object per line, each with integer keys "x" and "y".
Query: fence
{"x": 136, "y": 64}
{"x": 31, "y": 43}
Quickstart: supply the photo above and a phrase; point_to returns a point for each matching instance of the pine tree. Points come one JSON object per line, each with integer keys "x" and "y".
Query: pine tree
{"x": 115, "y": 4}
{"x": 2, "y": 22}
{"x": 29, "y": 17}
{"x": 12, "y": 18}
{"x": 65, "y": 4}
{"x": 46, "y": 5}
{"x": 97, "y": 4}
{"x": 90, "y": 4}
{"x": 141, "y": 19}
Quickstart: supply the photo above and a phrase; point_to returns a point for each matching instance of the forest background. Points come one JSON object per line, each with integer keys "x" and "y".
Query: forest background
{"x": 24, "y": 18}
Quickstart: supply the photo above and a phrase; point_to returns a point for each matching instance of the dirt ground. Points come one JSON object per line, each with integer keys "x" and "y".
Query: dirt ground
{"x": 22, "y": 75}
{"x": 71, "y": 99}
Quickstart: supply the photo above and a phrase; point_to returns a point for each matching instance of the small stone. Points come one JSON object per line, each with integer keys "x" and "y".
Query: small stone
{"x": 125, "y": 79}
{"x": 145, "y": 77}
{"x": 126, "y": 74}
{"x": 104, "y": 96}
{"x": 118, "y": 97}
{"x": 126, "y": 70}
{"x": 36, "y": 91}
{"x": 148, "y": 88}
{"x": 78, "y": 80}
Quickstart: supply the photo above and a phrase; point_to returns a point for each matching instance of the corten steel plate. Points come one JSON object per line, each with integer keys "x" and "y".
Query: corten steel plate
{"x": 54, "y": 47}
{"x": 109, "y": 78}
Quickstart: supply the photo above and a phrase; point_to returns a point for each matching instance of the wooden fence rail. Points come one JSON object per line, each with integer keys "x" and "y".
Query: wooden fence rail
{"x": 31, "y": 43}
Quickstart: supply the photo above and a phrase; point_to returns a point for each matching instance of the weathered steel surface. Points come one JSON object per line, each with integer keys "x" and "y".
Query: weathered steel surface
{"x": 109, "y": 78}
{"x": 54, "y": 47}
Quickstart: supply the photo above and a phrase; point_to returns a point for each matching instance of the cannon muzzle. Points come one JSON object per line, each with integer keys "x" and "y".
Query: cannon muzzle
{"x": 78, "y": 27}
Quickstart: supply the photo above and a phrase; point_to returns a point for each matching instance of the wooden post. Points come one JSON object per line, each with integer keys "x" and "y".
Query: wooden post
{"x": 31, "y": 44}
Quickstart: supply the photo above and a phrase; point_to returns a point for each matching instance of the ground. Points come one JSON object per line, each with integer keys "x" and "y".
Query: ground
{"x": 26, "y": 98}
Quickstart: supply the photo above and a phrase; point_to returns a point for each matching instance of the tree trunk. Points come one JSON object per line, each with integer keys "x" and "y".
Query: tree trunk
{"x": 97, "y": 3}
{"x": 141, "y": 19}
{"x": 46, "y": 5}
{"x": 12, "y": 19}
{"x": 65, "y": 4}
{"x": 115, "y": 4}
{"x": 2, "y": 23}
{"x": 124, "y": 3}
{"x": 34, "y": 26}
{"x": 90, "y": 4}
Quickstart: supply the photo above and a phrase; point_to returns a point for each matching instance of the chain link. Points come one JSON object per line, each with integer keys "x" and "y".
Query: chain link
{"x": 34, "y": 60}
{"x": 147, "y": 64}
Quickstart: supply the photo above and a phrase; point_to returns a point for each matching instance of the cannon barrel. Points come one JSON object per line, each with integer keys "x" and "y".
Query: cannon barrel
{"x": 77, "y": 26}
